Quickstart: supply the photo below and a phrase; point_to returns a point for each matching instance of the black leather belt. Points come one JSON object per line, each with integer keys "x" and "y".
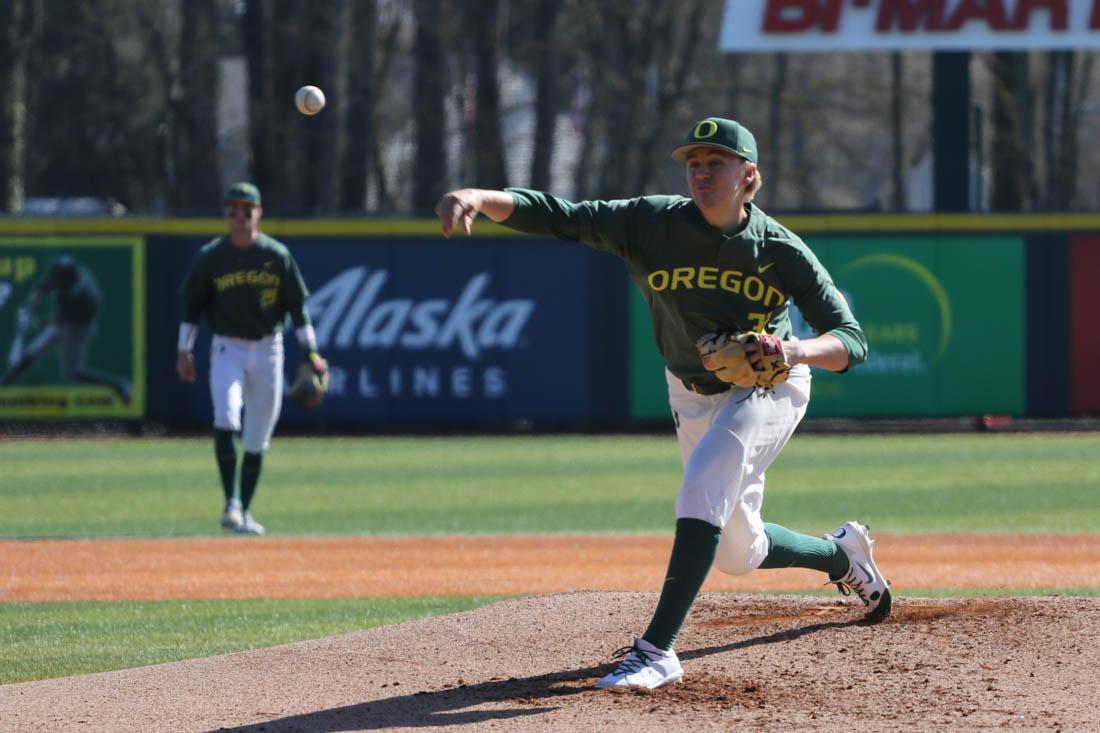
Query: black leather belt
{"x": 707, "y": 388}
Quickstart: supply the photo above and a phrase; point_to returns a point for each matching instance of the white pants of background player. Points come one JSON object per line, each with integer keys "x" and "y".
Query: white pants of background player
{"x": 249, "y": 375}
{"x": 727, "y": 441}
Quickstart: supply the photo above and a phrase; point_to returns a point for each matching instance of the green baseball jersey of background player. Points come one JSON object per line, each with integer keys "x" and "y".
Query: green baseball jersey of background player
{"x": 714, "y": 262}
{"x": 245, "y": 293}
{"x": 244, "y": 285}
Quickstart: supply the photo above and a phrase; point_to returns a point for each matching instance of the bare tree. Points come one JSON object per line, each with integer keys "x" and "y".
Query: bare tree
{"x": 116, "y": 102}
{"x": 628, "y": 48}
{"x": 799, "y": 103}
{"x": 96, "y": 106}
{"x": 429, "y": 170}
{"x": 897, "y": 131}
{"x": 593, "y": 100}
{"x": 546, "y": 93}
{"x": 638, "y": 60}
{"x": 489, "y": 170}
{"x": 276, "y": 51}
{"x": 325, "y": 135}
{"x": 359, "y": 119}
{"x": 194, "y": 104}
{"x": 1068, "y": 80}
{"x": 734, "y": 68}
{"x": 776, "y": 119}
{"x": 1076, "y": 119}
{"x": 20, "y": 21}
{"x": 1009, "y": 153}
{"x": 1057, "y": 111}
{"x": 256, "y": 39}
{"x": 389, "y": 50}
{"x": 678, "y": 39}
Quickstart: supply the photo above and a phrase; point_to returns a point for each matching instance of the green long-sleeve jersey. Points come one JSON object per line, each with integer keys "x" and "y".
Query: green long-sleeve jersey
{"x": 696, "y": 279}
{"x": 245, "y": 292}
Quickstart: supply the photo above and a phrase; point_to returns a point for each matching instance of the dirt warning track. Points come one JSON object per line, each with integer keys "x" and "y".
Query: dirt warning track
{"x": 231, "y": 567}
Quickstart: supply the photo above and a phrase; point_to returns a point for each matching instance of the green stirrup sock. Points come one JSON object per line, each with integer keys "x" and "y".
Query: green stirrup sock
{"x": 251, "y": 465}
{"x": 225, "y": 451}
{"x": 693, "y": 553}
{"x": 789, "y": 549}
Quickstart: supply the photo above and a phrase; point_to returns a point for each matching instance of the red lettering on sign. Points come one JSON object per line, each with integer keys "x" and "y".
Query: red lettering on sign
{"x": 916, "y": 16}
{"x": 1058, "y": 13}
{"x": 991, "y": 11}
{"x": 1094, "y": 19}
{"x": 831, "y": 21}
{"x": 908, "y": 16}
{"x": 790, "y": 16}
{"x": 831, "y": 18}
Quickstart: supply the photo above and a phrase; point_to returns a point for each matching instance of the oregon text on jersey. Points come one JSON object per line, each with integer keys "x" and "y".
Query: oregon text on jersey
{"x": 246, "y": 277}
{"x": 711, "y": 278}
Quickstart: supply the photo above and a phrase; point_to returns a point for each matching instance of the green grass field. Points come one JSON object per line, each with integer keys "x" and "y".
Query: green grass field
{"x": 621, "y": 484}
{"x": 396, "y": 486}
{"x": 42, "y": 640}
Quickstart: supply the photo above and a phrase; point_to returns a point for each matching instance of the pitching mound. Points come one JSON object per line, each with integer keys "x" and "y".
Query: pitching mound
{"x": 752, "y": 663}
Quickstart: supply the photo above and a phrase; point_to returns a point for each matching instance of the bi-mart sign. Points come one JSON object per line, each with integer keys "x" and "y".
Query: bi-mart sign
{"x": 888, "y": 25}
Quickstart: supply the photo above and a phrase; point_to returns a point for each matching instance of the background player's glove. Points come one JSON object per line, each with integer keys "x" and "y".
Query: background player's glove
{"x": 724, "y": 355}
{"x": 311, "y": 382}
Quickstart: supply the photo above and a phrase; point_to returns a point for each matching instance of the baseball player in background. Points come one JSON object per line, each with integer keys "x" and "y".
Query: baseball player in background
{"x": 78, "y": 299}
{"x": 707, "y": 265}
{"x": 245, "y": 284}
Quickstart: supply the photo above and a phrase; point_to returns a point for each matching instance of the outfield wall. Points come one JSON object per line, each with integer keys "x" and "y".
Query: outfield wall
{"x": 966, "y": 315}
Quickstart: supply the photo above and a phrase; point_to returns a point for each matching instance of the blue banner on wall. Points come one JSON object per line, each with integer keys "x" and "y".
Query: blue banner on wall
{"x": 480, "y": 331}
{"x": 421, "y": 331}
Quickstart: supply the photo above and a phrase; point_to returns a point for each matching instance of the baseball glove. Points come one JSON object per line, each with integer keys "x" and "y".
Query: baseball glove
{"x": 724, "y": 355}
{"x": 310, "y": 384}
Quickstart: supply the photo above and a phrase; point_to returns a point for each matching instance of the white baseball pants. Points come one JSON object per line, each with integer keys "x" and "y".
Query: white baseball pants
{"x": 727, "y": 441}
{"x": 249, "y": 375}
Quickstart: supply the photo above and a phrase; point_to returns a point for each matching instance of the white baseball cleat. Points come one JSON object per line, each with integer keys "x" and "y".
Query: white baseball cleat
{"x": 249, "y": 525}
{"x": 232, "y": 517}
{"x": 645, "y": 666}
{"x": 863, "y": 577}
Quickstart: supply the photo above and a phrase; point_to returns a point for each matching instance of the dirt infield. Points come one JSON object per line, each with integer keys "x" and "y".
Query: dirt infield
{"x": 752, "y": 662}
{"x": 140, "y": 569}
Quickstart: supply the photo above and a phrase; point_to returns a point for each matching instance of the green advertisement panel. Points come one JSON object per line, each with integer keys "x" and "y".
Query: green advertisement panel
{"x": 72, "y": 327}
{"x": 944, "y": 317}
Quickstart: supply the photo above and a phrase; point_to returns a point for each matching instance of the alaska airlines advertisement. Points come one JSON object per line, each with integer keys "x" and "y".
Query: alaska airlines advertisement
{"x": 469, "y": 331}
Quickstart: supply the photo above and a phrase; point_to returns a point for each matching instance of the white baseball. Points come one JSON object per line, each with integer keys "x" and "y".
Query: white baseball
{"x": 309, "y": 100}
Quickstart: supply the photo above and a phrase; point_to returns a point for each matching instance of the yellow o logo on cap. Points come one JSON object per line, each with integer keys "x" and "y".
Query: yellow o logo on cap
{"x": 705, "y": 129}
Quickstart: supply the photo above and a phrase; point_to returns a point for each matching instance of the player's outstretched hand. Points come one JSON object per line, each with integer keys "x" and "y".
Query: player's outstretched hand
{"x": 462, "y": 205}
{"x": 320, "y": 366}
{"x": 185, "y": 367}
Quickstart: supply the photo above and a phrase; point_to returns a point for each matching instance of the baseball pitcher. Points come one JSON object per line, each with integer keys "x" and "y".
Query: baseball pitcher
{"x": 719, "y": 276}
{"x": 245, "y": 285}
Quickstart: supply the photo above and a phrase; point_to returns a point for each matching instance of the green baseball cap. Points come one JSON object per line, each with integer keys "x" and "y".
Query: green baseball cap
{"x": 245, "y": 192}
{"x": 719, "y": 133}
